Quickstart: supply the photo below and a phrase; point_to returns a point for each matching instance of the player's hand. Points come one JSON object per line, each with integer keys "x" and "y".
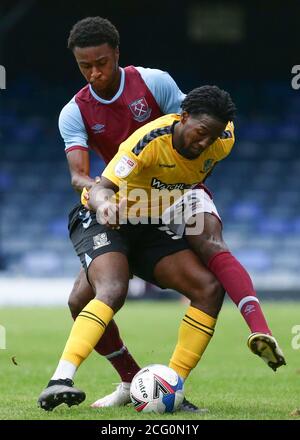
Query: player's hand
{"x": 110, "y": 213}
{"x": 85, "y": 197}
{"x": 95, "y": 196}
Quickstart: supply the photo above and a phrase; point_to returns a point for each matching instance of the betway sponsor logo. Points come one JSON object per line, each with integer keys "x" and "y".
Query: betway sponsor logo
{"x": 158, "y": 184}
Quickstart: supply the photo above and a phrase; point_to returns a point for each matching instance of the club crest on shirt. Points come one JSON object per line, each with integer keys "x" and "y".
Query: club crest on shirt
{"x": 208, "y": 165}
{"x": 140, "y": 109}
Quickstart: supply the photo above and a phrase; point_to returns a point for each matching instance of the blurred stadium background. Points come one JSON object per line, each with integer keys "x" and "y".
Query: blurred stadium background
{"x": 249, "y": 48}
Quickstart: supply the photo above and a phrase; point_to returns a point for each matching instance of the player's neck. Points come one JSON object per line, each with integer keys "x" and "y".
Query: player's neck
{"x": 111, "y": 90}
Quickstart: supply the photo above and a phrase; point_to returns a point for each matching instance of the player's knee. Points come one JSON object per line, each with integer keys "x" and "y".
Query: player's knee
{"x": 75, "y": 304}
{"x": 207, "y": 246}
{"x": 80, "y": 296}
{"x": 113, "y": 293}
{"x": 211, "y": 289}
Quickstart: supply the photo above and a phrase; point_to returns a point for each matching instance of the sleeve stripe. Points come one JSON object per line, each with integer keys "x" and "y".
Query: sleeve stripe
{"x": 76, "y": 147}
{"x": 138, "y": 148}
{"x": 226, "y": 134}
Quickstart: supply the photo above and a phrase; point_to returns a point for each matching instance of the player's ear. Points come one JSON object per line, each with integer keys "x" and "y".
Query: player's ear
{"x": 183, "y": 117}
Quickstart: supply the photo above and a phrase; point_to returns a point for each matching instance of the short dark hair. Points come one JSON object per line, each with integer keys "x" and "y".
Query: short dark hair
{"x": 93, "y": 31}
{"x": 210, "y": 100}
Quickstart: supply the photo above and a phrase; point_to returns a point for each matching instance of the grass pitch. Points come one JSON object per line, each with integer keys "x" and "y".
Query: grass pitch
{"x": 229, "y": 380}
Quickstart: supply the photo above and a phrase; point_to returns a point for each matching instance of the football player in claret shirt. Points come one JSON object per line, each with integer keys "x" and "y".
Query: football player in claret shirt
{"x": 174, "y": 151}
{"x": 115, "y": 102}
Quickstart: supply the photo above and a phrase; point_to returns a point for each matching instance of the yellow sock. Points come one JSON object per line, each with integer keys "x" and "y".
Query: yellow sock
{"x": 87, "y": 329}
{"x": 195, "y": 332}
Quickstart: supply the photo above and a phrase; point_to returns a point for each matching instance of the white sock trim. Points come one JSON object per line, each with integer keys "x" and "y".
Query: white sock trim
{"x": 245, "y": 300}
{"x": 64, "y": 370}
{"x": 116, "y": 353}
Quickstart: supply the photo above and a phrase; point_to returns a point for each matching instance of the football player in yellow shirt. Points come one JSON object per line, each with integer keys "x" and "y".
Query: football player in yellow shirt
{"x": 171, "y": 153}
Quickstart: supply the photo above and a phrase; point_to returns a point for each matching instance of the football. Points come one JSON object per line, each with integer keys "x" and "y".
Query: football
{"x": 156, "y": 388}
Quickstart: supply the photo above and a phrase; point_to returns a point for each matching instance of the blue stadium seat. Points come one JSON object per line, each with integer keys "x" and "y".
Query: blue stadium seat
{"x": 246, "y": 211}
{"x": 254, "y": 259}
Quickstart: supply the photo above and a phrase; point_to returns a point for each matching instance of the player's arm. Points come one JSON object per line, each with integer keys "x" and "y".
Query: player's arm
{"x": 74, "y": 134}
{"x": 224, "y": 144}
{"x": 100, "y": 199}
{"x": 79, "y": 166}
{"x": 134, "y": 155}
{"x": 100, "y": 193}
{"x": 164, "y": 89}
{"x": 125, "y": 166}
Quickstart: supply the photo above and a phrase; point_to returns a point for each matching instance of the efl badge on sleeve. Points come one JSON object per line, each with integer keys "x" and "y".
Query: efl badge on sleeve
{"x": 140, "y": 109}
{"x": 124, "y": 167}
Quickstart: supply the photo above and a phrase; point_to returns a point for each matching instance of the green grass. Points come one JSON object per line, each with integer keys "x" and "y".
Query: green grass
{"x": 230, "y": 381}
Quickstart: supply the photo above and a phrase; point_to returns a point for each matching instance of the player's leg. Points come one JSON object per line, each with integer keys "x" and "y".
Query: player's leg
{"x": 182, "y": 271}
{"x": 167, "y": 261}
{"x": 185, "y": 273}
{"x": 109, "y": 276}
{"x": 102, "y": 252}
{"x": 206, "y": 294}
{"x": 205, "y": 238}
{"x": 212, "y": 250}
{"x": 110, "y": 345}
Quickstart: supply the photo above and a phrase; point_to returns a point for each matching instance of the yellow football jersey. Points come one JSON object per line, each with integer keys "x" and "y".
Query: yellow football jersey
{"x": 147, "y": 168}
